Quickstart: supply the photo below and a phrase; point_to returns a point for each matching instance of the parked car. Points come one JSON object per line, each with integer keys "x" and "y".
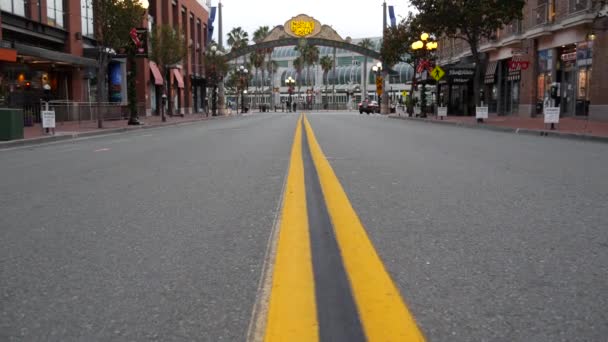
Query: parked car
{"x": 369, "y": 107}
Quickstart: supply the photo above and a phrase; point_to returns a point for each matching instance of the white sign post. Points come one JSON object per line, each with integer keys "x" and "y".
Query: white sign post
{"x": 442, "y": 112}
{"x": 481, "y": 113}
{"x": 551, "y": 116}
{"x": 48, "y": 119}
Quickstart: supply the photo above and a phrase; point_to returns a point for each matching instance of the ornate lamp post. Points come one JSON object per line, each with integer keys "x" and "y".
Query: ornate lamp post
{"x": 243, "y": 75}
{"x": 290, "y": 82}
{"x": 377, "y": 69}
{"x": 213, "y": 74}
{"x": 423, "y": 49}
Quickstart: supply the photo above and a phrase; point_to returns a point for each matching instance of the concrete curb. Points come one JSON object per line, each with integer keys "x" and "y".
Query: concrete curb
{"x": 527, "y": 131}
{"x": 64, "y": 137}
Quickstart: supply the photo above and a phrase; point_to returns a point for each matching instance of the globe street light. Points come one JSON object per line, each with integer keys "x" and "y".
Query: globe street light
{"x": 422, "y": 49}
{"x": 290, "y": 82}
{"x": 377, "y": 69}
{"x": 214, "y": 76}
{"x": 243, "y": 74}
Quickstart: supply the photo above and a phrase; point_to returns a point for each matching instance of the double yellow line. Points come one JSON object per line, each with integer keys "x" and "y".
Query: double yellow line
{"x": 292, "y": 310}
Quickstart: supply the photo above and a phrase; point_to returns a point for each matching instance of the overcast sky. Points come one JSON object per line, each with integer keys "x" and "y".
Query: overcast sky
{"x": 354, "y": 18}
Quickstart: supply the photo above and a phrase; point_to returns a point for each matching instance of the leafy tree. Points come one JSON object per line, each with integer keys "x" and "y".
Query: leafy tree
{"x": 167, "y": 49}
{"x": 469, "y": 20}
{"x": 326, "y": 64}
{"x": 368, "y": 44}
{"x": 114, "y": 19}
{"x": 216, "y": 66}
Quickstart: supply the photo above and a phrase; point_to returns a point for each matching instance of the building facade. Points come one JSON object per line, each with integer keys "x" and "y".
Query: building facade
{"x": 51, "y": 43}
{"x": 555, "y": 55}
{"x": 341, "y": 87}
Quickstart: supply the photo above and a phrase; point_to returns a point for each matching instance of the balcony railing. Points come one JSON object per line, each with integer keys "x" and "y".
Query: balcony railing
{"x": 512, "y": 29}
{"x": 539, "y": 16}
{"x": 578, "y": 5}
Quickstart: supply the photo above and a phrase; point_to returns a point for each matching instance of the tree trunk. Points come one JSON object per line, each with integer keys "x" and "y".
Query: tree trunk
{"x": 132, "y": 90}
{"x": 102, "y": 68}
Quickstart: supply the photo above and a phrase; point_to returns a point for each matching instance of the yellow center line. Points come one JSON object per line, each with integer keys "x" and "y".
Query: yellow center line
{"x": 292, "y": 313}
{"x": 382, "y": 311}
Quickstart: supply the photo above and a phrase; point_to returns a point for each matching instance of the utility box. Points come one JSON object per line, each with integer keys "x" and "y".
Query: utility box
{"x": 11, "y": 124}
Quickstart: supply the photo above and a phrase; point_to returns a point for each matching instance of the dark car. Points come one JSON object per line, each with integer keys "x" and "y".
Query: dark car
{"x": 369, "y": 107}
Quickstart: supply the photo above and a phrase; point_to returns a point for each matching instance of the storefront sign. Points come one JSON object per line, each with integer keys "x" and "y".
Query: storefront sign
{"x": 442, "y": 111}
{"x": 481, "y": 112}
{"x": 551, "y": 115}
{"x": 461, "y": 75}
{"x": 48, "y": 118}
{"x": 567, "y": 57}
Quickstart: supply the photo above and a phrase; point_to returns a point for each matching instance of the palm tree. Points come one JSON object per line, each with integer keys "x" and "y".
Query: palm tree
{"x": 257, "y": 61}
{"x": 368, "y": 44}
{"x": 298, "y": 64}
{"x": 258, "y": 37}
{"x": 272, "y": 67}
{"x": 326, "y": 64}
{"x": 237, "y": 38}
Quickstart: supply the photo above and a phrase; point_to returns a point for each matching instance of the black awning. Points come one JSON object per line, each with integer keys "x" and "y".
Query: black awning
{"x": 55, "y": 56}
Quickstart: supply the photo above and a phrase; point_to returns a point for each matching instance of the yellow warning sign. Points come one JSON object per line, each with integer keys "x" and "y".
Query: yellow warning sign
{"x": 437, "y": 73}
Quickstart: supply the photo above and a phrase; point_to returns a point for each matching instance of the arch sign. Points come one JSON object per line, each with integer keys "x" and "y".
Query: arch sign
{"x": 303, "y": 27}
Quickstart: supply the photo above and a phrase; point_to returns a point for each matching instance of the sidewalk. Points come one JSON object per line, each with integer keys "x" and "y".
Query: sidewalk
{"x": 74, "y": 129}
{"x": 568, "y": 127}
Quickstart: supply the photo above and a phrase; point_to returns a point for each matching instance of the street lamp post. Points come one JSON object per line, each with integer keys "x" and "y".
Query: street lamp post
{"x": 215, "y": 77}
{"x": 290, "y": 82}
{"x": 377, "y": 69}
{"x": 422, "y": 49}
{"x": 243, "y": 74}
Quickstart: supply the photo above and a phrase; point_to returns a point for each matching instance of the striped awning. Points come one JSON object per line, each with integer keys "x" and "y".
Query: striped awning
{"x": 491, "y": 72}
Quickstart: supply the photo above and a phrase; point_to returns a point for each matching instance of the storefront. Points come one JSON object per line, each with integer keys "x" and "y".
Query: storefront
{"x": 457, "y": 88}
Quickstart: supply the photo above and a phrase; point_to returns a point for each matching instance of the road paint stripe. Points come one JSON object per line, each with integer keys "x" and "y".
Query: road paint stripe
{"x": 382, "y": 311}
{"x": 336, "y": 308}
{"x": 292, "y": 314}
{"x": 101, "y": 150}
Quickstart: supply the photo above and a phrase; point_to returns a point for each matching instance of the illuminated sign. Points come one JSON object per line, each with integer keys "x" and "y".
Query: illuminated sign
{"x": 302, "y": 28}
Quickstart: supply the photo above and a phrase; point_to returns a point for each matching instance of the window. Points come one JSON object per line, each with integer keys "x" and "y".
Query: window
{"x": 13, "y": 6}
{"x": 54, "y": 12}
{"x": 86, "y": 12}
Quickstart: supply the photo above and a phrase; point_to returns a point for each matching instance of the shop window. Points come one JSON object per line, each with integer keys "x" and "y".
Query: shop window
{"x": 13, "y": 6}
{"x": 86, "y": 13}
{"x": 54, "y": 13}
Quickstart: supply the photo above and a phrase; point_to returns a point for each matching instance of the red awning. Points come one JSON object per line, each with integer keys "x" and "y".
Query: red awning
{"x": 178, "y": 78}
{"x": 158, "y": 78}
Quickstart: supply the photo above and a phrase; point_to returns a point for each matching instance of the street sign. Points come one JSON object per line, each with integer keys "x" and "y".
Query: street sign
{"x": 404, "y": 93}
{"x": 551, "y": 115}
{"x": 481, "y": 112}
{"x": 48, "y": 118}
{"x": 437, "y": 73}
{"x": 442, "y": 111}
{"x": 379, "y": 82}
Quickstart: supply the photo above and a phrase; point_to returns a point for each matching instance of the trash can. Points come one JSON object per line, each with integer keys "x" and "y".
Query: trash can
{"x": 11, "y": 124}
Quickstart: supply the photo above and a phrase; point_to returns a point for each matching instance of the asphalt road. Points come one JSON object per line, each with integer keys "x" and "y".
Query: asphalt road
{"x": 161, "y": 235}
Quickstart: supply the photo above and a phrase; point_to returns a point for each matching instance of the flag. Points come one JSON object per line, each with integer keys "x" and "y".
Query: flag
{"x": 210, "y": 23}
{"x": 391, "y": 14}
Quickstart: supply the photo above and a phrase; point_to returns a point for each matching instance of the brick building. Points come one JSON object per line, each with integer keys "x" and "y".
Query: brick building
{"x": 559, "y": 43}
{"x": 52, "y": 42}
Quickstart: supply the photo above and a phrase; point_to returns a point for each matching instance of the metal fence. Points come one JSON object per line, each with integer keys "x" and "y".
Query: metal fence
{"x": 66, "y": 111}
